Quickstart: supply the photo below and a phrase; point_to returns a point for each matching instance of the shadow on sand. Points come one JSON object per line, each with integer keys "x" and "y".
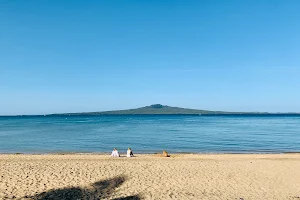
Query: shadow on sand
{"x": 98, "y": 190}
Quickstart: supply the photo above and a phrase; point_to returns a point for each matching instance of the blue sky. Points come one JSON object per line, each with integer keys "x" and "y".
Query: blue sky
{"x": 71, "y": 56}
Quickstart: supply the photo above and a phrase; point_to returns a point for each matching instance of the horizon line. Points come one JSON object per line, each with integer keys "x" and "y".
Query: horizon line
{"x": 224, "y": 112}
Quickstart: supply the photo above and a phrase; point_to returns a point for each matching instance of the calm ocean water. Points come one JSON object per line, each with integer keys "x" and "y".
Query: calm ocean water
{"x": 148, "y": 134}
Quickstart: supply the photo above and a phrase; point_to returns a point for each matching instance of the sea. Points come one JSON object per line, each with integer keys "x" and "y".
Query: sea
{"x": 150, "y": 134}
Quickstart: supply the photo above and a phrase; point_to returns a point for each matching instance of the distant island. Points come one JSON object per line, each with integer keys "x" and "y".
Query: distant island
{"x": 158, "y": 109}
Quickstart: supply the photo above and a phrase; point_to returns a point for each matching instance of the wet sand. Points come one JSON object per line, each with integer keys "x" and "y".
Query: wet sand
{"x": 181, "y": 176}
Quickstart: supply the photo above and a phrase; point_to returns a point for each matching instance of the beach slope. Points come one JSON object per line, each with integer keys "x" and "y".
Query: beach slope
{"x": 189, "y": 176}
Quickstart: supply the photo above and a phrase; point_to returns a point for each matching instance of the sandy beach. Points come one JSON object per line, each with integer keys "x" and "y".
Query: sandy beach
{"x": 181, "y": 176}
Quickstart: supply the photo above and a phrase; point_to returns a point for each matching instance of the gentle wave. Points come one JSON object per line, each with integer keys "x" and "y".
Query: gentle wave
{"x": 148, "y": 134}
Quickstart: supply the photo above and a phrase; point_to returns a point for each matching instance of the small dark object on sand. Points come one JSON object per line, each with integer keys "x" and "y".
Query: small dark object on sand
{"x": 165, "y": 154}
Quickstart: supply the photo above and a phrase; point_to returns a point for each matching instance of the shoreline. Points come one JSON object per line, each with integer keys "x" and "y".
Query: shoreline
{"x": 155, "y": 153}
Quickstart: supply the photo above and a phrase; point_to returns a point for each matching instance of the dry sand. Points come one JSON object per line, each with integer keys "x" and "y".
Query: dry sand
{"x": 150, "y": 177}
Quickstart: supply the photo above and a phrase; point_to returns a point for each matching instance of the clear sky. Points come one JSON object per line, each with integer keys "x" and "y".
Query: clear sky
{"x": 72, "y": 56}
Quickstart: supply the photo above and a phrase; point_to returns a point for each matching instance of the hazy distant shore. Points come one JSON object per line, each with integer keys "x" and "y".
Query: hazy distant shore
{"x": 181, "y": 176}
{"x": 130, "y": 115}
{"x": 158, "y": 109}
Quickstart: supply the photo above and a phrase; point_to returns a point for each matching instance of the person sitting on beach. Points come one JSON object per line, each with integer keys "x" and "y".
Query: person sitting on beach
{"x": 129, "y": 153}
{"x": 115, "y": 153}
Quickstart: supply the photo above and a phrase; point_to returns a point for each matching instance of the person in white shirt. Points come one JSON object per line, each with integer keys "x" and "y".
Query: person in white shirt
{"x": 115, "y": 153}
{"x": 129, "y": 153}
